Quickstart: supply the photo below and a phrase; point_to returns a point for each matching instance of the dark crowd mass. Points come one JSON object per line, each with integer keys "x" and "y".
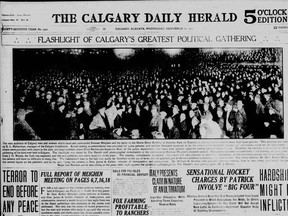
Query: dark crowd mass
{"x": 197, "y": 93}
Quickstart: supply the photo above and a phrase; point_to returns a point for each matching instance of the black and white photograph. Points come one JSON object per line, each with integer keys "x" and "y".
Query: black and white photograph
{"x": 148, "y": 93}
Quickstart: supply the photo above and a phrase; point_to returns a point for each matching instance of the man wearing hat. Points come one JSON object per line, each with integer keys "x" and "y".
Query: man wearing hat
{"x": 118, "y": 121}
{"x": 100, "y": 120}
{"x": 100, "y": 126}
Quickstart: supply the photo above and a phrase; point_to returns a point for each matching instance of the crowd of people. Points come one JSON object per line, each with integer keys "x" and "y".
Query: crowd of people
{"x": 207, "y": 100}
{"x": 265, "y": 55}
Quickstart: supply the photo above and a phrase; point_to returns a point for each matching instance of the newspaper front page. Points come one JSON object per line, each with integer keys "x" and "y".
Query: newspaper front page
{"x": 144, "y": 108}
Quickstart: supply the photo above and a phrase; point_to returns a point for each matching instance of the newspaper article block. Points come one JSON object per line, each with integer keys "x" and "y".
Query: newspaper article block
{"x": 20, "y": 192}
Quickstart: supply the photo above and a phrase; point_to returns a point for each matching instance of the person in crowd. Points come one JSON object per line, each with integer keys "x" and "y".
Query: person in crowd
{"x": 118, "y": 121}
{"x": 60, "y": 129}
{"x": 184, "y": 130}
{"x": 173, "y": 132}
{"x": 22, "y": 130}
{"x": 209, "y": 128}
{"x": 156, "y": 123}
{"x": 83, "y": 119}
{"x": 259, "y": 117}
{"x": 220, "y": 120}
{"x": 240, "y": 120}
{"x": 229, "y": 119}
{"x": 163, "y": 115}
{"x": 194, "y": 129}
{"x": 100, "y": 126}
{"x": 176, "y": 116}
{"x": 75, "y": 127}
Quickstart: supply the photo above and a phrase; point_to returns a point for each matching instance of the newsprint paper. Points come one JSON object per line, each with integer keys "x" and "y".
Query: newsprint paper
{"x": 144, "y": 108}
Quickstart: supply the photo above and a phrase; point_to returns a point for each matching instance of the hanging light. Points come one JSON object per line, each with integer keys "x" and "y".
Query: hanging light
{"x": 172, "y": 52}
{"x": 124, "y": 53}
